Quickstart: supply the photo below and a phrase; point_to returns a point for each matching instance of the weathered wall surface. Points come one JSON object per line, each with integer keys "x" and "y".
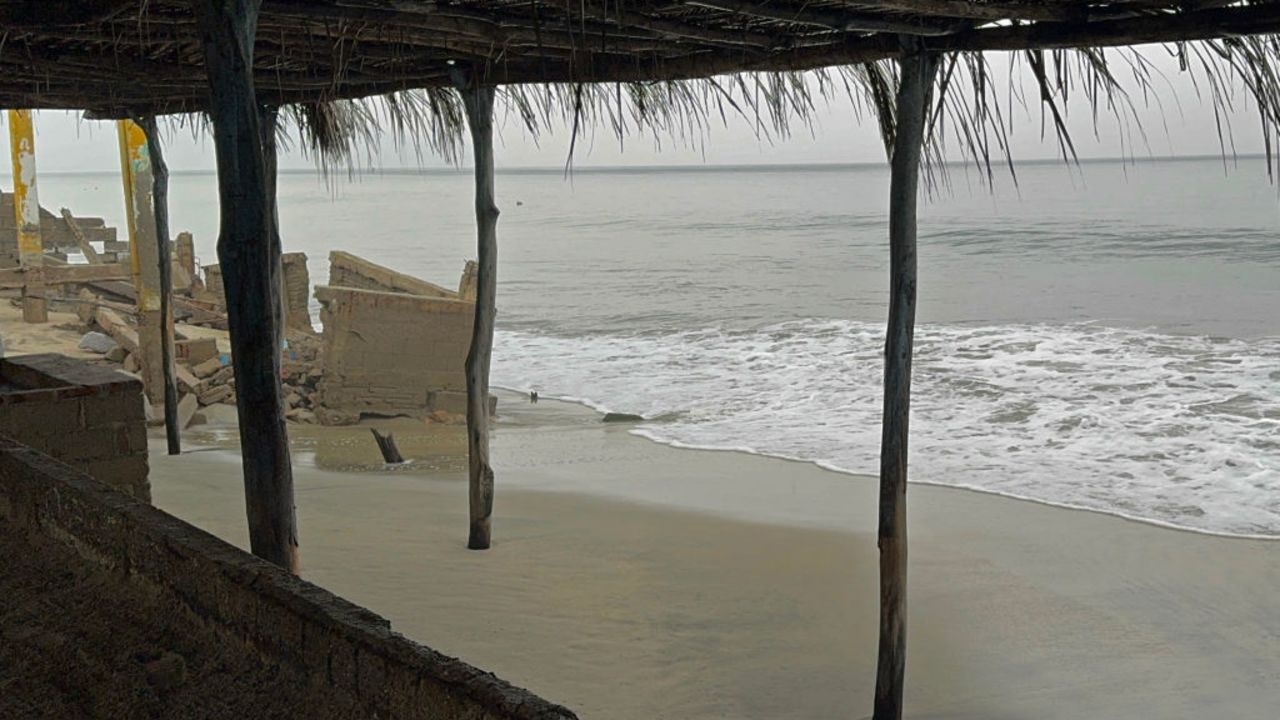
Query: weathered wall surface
{"x": 89, "y": 417}
{"x": 296, "y": 289}
{"x": 347, "y": 270}
{"x": 391, "y": 354}
{"x": 330, "y": 642}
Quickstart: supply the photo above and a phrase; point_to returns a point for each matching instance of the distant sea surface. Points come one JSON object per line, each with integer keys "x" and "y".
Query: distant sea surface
{"x": 1105, "y": 337}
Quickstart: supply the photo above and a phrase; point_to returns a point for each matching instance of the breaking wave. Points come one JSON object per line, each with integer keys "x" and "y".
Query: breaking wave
{"x": 1173, "y": 429}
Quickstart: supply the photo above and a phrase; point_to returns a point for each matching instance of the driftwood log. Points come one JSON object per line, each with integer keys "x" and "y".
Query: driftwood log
{"x": 917, "y": 74}
{"x": 387, "y": 446}
{"x": 249, "y": 253}
{"x": 478, "y": 100}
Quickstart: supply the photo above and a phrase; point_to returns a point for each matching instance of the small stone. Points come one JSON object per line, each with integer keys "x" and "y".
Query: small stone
{"x": 131, "y": 363}
{"x": 166, "y": 673}
{"x": 622, "y": 417}
{"x": 116, "y": 354}
{"x": 97, "y": 342}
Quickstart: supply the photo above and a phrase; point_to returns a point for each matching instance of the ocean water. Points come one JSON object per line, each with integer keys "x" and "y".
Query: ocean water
{"x": 1106, "y": 337}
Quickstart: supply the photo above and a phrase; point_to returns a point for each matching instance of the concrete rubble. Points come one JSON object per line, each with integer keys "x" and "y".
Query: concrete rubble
{"x": 392, "y": 344}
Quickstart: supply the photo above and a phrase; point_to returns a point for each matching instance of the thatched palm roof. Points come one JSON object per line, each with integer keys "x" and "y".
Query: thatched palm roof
{"x": 119, "y": 56}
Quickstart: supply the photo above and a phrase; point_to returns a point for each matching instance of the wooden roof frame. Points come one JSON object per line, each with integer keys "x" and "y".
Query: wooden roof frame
{"x": 121, "y": 57}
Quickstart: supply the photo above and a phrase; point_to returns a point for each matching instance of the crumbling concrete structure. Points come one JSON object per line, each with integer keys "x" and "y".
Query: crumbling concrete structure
{"x": 296, "y": 290}
{"x": 61, "y": 235}
{"x": 87, "y": 416}
{"x": 392, "y": 344}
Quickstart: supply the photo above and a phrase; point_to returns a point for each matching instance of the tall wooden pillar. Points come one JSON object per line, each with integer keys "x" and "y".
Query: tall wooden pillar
{"x": 248, "y": 255}
{"x": 144, "y": 255}
{"x": 26, "y": 209}
{"x": 917, "y": 69}
{"x": 160, "y": 215}
{"x": 478, "y": 100}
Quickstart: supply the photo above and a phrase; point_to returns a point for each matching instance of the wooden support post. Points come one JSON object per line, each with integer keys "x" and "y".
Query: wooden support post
{"x": 914, "y": 91}
{"x": 160, "y": 214}
{"x": 245, "y": 246}
{"x": 478, "y": 100}
{"x": 268, "y": 117}
{"x": 144, "y": 255}
{"x": 26, "y": 209}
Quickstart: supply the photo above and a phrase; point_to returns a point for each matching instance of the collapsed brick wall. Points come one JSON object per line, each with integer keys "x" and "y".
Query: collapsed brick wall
{"x": 295, "y": 289}
{"x": 331, "y": 643}
{"x": 391, "y": 353}
{"x": 89, "y": 417}
{"x": 297, "y": 292}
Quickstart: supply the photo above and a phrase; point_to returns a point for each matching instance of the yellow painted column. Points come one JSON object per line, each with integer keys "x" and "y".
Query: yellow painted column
{"x": 144, "y": 253}
{"x": 26, "y": 208}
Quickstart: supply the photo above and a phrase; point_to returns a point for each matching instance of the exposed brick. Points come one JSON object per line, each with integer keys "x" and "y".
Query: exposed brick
{"x": 290, "y": 623}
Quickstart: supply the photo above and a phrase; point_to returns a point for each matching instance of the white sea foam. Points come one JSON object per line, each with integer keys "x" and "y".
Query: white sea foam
{"x": 1182, "y": 430}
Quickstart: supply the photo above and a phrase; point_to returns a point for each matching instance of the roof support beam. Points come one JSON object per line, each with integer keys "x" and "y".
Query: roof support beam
{"x": 26, "y": 210}
{"x": 164, "y": 278}
{"x": 918, "y": 70}
{"x": 830, "y": 19}
{"x": 248, "y": 249}
{"x": 478, "y": 101}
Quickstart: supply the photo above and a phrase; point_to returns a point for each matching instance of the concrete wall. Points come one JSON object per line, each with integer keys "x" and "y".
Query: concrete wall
{"x": 295, "y": 289}
{"x": 87, "y": 416}
{"x": 391, "y": 354}
{"x": 347, "y": 270}
{"x": 327, "y": 640}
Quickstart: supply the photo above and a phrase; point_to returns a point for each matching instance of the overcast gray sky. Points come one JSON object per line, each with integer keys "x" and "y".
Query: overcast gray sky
{"x": 65, "y": 142}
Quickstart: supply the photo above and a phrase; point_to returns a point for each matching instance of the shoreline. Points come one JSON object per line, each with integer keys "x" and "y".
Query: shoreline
{"x": 517, "y": 395}
{"x": 628, "y": 580}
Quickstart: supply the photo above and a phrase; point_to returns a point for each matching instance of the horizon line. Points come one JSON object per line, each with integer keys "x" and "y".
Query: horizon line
{"x": 692, "y": 167}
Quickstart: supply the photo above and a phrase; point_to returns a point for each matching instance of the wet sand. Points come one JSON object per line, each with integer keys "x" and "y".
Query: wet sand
{"x": 632, "y": 580}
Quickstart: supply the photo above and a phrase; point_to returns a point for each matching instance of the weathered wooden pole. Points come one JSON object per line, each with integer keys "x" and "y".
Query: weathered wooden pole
{"x": 160, "y": 210}
{"x": 268, "y": 120}
{"x": 245, "y": 250}
{"x": 917, "y": 70}
{"x": 478, "y": 100}
{"x": 26, "y": 211}
{"x": 144, "y": 256}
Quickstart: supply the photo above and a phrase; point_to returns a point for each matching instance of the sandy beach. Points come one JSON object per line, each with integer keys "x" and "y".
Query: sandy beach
{"x": 634, "y": 580}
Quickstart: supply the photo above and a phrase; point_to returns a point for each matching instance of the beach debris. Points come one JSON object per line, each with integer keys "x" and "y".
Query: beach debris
{"x": 621, "y": 418}
{"x": 195, "y": 351}
{"x": 112, "y": 324}
{"x": 100, "y": 343}
{"x": 207, "y": 368}
{"x": 187, "y": 408}
{"x": 387, "y": 446}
